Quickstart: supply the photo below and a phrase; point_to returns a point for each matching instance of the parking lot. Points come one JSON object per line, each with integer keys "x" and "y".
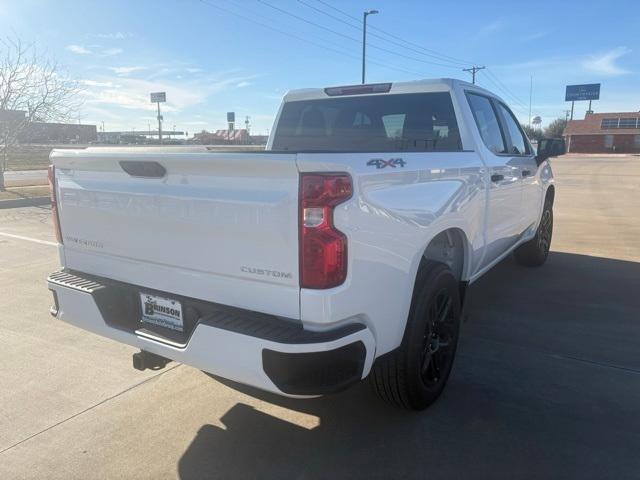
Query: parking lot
{"x": 546, "y": 383}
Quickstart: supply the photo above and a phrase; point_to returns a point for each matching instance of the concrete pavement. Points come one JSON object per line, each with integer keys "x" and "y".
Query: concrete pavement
{"x": 546, "y": 384}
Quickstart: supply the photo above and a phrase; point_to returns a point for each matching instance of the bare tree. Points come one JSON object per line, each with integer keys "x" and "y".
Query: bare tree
{"x": 32, "y": 89}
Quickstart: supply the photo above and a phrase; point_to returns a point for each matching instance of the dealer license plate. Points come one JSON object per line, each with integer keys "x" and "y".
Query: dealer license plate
{"x": 162, "y": 311}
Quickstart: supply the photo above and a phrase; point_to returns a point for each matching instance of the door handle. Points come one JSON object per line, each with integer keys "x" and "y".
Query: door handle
{"x": 497, "y": 177}
{"x": 526, "y": 173}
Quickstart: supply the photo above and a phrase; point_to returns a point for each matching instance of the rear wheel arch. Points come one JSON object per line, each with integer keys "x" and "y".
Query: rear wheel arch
{"x": 450, "y": 247}
{"x": 398, "y": 376}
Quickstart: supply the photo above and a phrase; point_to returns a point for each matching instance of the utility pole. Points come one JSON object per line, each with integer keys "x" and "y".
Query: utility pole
{"x": 566, "y": 115}
{"x": 364, "y": 38}
{"x": 473, "y": 70}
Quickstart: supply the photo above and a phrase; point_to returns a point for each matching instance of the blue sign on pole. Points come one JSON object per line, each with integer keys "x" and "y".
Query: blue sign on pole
{"x": 582, "y": 92}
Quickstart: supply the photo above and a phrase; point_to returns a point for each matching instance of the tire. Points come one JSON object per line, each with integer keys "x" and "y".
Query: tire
{"x": 414, "y": 375}
{"x": 535, "y": 252}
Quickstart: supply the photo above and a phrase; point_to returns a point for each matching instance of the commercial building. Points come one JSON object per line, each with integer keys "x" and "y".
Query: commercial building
{"x": 228, "y": 137}
{"x": 140, "y": 137}
{"x": 604, "y": 133}
{"x": 27, "y": 132}
{"x": 222, "y": 137}
{"x": 51, "y": 133}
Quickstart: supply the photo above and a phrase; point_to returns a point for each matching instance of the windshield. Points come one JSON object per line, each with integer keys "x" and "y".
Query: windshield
{"x": 421, "y": 122}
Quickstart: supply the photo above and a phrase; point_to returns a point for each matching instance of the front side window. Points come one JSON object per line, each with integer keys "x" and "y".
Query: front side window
{"x": 487, "y": 122}
{"x": 519, "y": 145}
{"x": 415, "y": 122}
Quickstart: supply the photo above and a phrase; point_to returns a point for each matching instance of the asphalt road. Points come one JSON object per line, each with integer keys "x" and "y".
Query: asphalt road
{"x": 546, "y": 384}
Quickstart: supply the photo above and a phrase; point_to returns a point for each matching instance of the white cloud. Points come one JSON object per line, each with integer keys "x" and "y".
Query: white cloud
{"x": 194, "y": 123}
{"x": 243, "y": 84}
{"x": 533, "y": 36}
{"x": 94, "y": 83}
{"x": 114, "y": 35}
{"x": 93, "y": 49}
{"x": 133, "y": 93}
{"x": 491, "y": 27}
{"x": 605, "y": 63}
{"x": 79, "y": 49}
{"x": 109, "y": 52}
{"x": 126, "y": 70}
{"x": 123, "y": 91}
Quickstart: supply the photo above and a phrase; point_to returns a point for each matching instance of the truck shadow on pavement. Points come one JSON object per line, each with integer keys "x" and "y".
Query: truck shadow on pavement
{"x": 546, "y": 384}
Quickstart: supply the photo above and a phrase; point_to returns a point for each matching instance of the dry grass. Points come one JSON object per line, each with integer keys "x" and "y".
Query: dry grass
{"x": 15, "y": 193}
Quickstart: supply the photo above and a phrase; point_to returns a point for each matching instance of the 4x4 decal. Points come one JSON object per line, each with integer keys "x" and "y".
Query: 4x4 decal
{"x": 382, "y": 163}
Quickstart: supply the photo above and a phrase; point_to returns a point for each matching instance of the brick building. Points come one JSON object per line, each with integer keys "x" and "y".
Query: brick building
{"x": 604, "y": 133}
{"x": 222, "y": 137}
{"x": 228, "y": 137}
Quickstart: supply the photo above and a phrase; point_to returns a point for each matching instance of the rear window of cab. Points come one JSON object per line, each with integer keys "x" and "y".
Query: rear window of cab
{"x": 414, "y": 122}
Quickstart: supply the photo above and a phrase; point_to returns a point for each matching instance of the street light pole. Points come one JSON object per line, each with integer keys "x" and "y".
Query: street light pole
{"x": 364, "y": 39}
{"x": 159, "y": 124}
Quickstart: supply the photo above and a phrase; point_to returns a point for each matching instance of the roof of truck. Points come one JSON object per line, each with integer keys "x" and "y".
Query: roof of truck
{"x": 415, "y": 86}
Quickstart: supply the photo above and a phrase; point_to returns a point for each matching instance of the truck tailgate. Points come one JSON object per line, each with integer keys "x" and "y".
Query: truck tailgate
{"x": 222, "y": 227}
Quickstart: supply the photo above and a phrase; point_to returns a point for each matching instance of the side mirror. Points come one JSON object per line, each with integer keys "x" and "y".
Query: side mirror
{"x": 550, "y": 147}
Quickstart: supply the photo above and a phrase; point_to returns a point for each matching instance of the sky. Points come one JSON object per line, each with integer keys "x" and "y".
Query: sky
{"x": 215, "y": 56}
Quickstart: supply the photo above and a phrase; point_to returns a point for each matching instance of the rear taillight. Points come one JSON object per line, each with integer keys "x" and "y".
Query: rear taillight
{"x": 54, "y": 203}
{"x": 323, "y": 248}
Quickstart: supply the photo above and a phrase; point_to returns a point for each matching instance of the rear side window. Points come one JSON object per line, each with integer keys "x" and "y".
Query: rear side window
{"x": 519, "y": 145}
{"x": 420, "y": 122}
{"x": 487, "y": 123}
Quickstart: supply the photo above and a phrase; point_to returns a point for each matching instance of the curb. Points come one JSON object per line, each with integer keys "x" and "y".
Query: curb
{"x": 25, "y": 202}
{"x": 599, "y": 155}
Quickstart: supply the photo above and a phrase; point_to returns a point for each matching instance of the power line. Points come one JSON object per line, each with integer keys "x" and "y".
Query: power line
{"x": 491, "y": 77}
{"x": 505, "y": 90}
{"x": 494, "y": 79}
{"x": 373, "y": 34}
{"x": 319, "y": 45}
{"x": 270, "y": 27}
{"x": 370, "y": 45}
{"x": 337, "y": 45}
{"x": 441, "y": 56}
{"x": 490, "y": 73}
{"x": 514, "y": 104}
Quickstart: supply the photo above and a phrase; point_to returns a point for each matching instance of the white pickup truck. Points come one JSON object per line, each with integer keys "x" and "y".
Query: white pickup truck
{"x": 342, "y": 251}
